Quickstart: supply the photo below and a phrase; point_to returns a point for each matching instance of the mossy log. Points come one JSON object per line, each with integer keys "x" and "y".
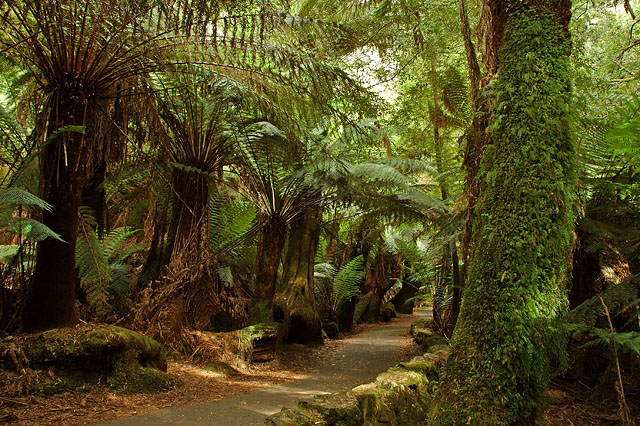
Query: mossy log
{"x": 256, "y": 343}
{"x": 86, "y": 355}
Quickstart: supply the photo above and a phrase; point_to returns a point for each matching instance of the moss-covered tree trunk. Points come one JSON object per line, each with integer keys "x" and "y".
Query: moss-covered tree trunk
{"x": 270, "y": 245}
{"x": 522, "y": 232}
{"x": 296, "y": 301}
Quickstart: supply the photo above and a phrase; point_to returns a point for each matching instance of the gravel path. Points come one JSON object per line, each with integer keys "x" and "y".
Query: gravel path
{"x": 361, "y": 359}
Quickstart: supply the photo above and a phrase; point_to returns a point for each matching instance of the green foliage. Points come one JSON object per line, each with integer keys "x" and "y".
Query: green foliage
{"x": 507, "y": 332}
{"x": 25, "y": 229}
{"x": 100, "y": 261}
{"x": 335, "y": 286}
{"x": 232, "y": 226}
{"x": 346, "y": 283}
{"x": 629, "y": 341}
{"x": 16, "y": 196}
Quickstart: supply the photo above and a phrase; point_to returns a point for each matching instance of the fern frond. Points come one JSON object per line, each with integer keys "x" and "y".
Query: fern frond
{"x": 93, "y": 266}
{"x": 32, "y": 229}
{"x": 347, "y": 281}
{"x": 380, "y": 173}
{"x": 20, "y": 197}
{"x": 629, "y": 341}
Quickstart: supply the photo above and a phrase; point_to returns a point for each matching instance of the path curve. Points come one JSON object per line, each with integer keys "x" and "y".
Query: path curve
{"x": 359, "y": 361}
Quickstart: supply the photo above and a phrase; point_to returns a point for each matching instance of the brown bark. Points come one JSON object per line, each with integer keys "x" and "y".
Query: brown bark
{"x": 51, "y": 299}
{"x": 296, "y": 302}
{"x": 270, "y": 246}
{"x": 188, "y": 228}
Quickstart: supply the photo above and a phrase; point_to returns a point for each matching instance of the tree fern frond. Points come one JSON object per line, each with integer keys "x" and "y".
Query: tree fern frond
{"x": 379, "y": 173}
{"x": 346, "y": 283}
{"x": 8, "y": 252}
{"x": 229, "y": 222}
{"x": 32, "y": 229}
{"x": 93, "y": 266}
{"x": 16, "y": 196}
{"x": 114, "y": 239}
{"x": 410, "y": 166}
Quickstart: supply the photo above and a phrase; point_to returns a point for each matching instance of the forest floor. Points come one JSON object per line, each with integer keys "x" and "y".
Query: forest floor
{"x": 198, "y": 384}
{"x": 297, "y": 372}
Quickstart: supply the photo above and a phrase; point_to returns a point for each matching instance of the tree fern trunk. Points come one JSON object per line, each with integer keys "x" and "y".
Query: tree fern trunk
{"x": 188, "y": 215}
{"x": 270, "y": 245}
{"x": 301, "y": 322}
{"x": 522, "y": 232}
{"x": 51, "y": 299}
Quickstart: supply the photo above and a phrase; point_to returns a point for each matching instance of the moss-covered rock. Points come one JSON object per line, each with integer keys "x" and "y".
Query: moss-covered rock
{"x": 426, "y": 337}
{"x": 331, "y": 328}
{"x": 76, "y": 358}
{"x": 388, "y": 310}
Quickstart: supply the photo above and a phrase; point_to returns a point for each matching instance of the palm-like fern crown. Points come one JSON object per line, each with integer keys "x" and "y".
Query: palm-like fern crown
{"x": 199, "y": 116}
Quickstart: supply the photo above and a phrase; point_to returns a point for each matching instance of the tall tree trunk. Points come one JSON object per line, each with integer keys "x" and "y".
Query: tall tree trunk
{"x": 296, "y": 302}
{"x": 51, "y": 299}
{"x": 522, "y": 234}
{"x": 270, "y": 245}
{"x": 477, "y": 136}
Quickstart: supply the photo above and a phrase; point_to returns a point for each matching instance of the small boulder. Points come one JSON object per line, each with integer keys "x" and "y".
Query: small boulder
{"x": 331, "y": 328}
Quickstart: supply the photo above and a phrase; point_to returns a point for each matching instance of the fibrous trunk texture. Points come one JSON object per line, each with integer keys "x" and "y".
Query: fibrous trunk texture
{"x": 522, "y": 233}
{"x": 270, "y": 246}
{"x": 187, "y": 229}
{"x": 296, "y": 302}
{"x": 51, "y": 299}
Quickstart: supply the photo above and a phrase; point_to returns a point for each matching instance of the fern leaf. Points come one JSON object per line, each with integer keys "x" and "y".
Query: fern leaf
{"x": 33, "y": 229}
{"x": 20, "y": 197}
{"x": 347, "y": 281}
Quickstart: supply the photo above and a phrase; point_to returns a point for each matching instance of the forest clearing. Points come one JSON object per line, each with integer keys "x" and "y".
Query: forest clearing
{"x": 204, "y": 200}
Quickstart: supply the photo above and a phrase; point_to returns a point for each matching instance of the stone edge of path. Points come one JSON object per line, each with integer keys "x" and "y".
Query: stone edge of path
{"x": 401, "y": 395}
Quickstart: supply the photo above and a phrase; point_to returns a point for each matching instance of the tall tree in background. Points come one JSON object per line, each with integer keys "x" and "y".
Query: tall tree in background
{"x": 522, "y": 232}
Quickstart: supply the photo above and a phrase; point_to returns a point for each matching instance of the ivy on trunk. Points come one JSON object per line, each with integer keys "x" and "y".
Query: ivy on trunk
{"x": 505, "y": 340}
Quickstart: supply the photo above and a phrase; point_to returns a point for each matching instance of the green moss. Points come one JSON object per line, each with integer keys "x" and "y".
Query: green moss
{"x": 505, "y": 338}
{"x": 297, "y": 416}
{"x": 337, "y": 409}
{"x": 361, "y": 307}
{"x": 78, "y": 358}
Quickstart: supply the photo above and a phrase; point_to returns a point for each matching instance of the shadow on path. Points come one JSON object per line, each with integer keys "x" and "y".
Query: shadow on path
{"x": 361, "y": 359}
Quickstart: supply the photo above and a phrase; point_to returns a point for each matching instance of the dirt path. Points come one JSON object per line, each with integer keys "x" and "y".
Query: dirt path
{"x": 361, "y": 359}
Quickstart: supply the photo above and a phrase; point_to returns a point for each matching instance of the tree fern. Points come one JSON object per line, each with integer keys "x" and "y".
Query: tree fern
{"x": 92, "y": 263}
{"x": 100, "y": 262}
{"x": 346, "y": 283}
